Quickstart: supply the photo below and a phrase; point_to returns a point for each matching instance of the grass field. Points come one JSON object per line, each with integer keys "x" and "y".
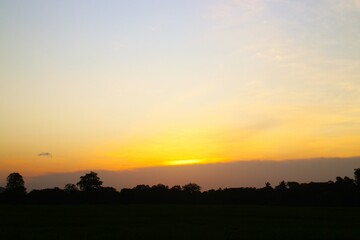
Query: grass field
{"x": 177, "y": 222}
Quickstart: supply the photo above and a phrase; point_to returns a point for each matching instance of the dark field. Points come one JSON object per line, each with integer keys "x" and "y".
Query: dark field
{"x": 177, "y": 222}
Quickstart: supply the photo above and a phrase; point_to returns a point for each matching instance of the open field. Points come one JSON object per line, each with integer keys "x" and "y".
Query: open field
{"x": 177, "y": 222}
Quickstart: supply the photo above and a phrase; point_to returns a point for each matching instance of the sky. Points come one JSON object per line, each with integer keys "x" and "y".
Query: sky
{"x": 119, "y": 85}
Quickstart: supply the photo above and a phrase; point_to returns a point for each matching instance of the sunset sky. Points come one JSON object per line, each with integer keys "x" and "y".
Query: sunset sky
{"x": 119, "y": 85}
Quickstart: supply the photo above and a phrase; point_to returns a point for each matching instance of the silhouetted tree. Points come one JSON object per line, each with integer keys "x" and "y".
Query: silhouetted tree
{"x": 176, "y": 188}
{"x": 191, "y": 188}
{"x": 293, "y": 185}
{"x": 15, "y": 183}
{"x": 47, "y": 196}
{"x": 141, "y": 188}
{"x": 89, "y": 182}
{"x": 268, "y": 185}
{"x": 70, "y": 188}
{"x": 357, "y": 176}
{"x": 348, "y": 180}
{"x": 339, "y": 180}
{"x": 281, "y": 186}
{"x": 160, "y": 187}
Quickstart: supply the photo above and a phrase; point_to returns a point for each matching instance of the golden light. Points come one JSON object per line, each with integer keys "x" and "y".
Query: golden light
{"x": 184, "y": 162}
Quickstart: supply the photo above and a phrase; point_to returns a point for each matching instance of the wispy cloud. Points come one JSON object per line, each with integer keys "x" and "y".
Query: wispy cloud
{"x": 45, "y": 154}
{"x": 235, "y": 11}
{"x": 348, "y": 5}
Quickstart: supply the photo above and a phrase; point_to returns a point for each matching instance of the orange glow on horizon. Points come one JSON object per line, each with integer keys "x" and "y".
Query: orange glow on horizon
{"x": 184, "y": 162}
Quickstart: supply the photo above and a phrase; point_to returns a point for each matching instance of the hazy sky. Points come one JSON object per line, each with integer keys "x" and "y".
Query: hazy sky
{"x": 125, "y": 84}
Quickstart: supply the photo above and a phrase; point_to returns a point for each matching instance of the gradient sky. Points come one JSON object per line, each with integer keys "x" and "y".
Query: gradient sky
{"x": 126, "y": 84}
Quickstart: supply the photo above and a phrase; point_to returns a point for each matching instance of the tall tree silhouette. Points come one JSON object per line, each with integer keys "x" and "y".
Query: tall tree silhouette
{"x": 89, "y": 182}
{"x": 15, "y": 183}
{"x": 357, "y": 177}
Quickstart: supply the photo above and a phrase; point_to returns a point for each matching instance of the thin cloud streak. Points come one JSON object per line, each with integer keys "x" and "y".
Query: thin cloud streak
{"x": 45, "y": 154}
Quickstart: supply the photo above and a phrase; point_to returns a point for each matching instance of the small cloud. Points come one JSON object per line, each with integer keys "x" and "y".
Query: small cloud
{"x": 350, "y": 5}
{"x": 45, "y": 154}
{"x": 236, "y": 11}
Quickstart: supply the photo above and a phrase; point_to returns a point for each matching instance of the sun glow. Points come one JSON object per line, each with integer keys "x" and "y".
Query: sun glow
{"x": 184, "y": 162}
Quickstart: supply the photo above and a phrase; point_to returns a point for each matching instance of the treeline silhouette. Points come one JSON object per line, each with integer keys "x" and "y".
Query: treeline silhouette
{"x": 342, "y": 192}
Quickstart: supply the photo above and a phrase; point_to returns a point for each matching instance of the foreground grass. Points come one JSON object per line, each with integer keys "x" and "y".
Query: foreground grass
{"x": 177, "y": 222}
